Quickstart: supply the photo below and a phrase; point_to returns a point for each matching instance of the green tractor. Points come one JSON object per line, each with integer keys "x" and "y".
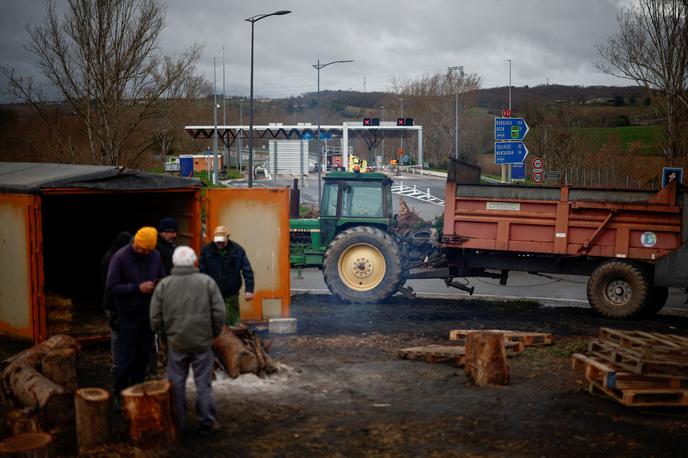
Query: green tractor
{"x": 352, "y": 242}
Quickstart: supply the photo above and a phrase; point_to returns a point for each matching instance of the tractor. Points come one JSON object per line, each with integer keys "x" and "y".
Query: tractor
{"x": 361, "y": 259}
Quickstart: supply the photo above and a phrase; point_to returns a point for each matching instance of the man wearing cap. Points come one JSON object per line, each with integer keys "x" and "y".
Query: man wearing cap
{"x": 133, "y": 273}
{"x": 226, "y": 262}
{"x": 167, "y": 242}
{"x": 188, "y": 309}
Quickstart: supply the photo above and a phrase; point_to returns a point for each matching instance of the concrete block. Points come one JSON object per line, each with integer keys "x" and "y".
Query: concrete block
{"x": 282, "y": 325}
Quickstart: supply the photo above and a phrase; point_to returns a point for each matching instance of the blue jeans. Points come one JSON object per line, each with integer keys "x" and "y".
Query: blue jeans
{"x": 178, "y": 370}
{"x": 135, "y": 340}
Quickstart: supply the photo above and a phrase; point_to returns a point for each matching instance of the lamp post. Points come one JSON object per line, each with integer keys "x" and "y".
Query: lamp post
{"x": 456, "y": 114}
{"x": 506, "y": 168}
{"x": 253, "y": 20}
{"x": 214, "y": 121}
{"x": 225, "y": 152}
{"x": 318, "y": 66}
{"x": 240, "y": 132}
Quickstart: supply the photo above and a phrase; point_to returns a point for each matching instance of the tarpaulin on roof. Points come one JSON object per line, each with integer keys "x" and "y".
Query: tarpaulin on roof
{"x": 32, "y": 177}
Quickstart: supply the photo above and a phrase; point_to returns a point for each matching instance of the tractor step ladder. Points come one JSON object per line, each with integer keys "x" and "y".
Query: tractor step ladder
{"x": 411, "y": 191}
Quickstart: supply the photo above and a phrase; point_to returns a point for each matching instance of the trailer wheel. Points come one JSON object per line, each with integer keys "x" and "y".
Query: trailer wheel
{"x": 619, "y": 289}
{"x": 658, "y": 298}
{"x": 363, "y": 265}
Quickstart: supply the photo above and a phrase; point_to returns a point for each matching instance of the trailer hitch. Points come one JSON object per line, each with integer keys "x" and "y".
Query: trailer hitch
{"x": 455, "y": 284}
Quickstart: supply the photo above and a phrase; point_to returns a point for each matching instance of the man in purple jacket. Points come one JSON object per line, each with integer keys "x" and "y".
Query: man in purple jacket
{"x": 134, "y": 271}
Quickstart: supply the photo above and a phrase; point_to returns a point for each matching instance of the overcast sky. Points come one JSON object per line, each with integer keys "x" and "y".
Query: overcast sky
{"x": 545, "y": 39}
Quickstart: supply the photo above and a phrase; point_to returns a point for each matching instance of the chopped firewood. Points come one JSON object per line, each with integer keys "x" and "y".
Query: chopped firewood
{"x": 34, "y": 355}
{"x": 241, "y": 351}
{"x": 32, "y": 389}
{"x": 23, "y": 420}
{"x": 60, "y": 367}
{"x": 33, "y": 445}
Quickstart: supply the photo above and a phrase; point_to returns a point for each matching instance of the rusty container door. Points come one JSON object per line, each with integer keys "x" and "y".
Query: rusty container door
{"x": 22, "y": 313}
{"x": 258, "y": 220}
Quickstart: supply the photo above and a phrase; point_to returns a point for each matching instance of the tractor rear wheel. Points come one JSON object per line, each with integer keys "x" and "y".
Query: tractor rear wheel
{"x": 619, "y": 289}
{"x": 363, "y": 265}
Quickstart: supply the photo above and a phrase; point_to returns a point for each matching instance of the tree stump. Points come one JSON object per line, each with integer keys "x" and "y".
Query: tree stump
{"x": 486, "y": 359}
{"x": 29, "y": 445}
{"x": 148, "y": 408}
{"x": 22, "y": 421}
{"x": 60, "y": 367}
{"x": 92, "y": 416}
{"x": 34, "y": 390}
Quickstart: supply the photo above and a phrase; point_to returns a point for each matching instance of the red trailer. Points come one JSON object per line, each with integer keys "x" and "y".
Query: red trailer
{"x": 632, "y": 244}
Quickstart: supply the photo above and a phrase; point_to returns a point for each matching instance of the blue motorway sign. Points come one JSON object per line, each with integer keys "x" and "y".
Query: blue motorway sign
{"x": 510, "y": 128}
{"x": 510, "y": 152}
{"x": 518, "y": 171}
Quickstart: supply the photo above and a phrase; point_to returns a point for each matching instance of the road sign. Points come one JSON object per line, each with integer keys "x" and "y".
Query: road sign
{"x": 506, "y": 112}
{"x": 510, "y": 152}
{"x": 518, "y": 172}
{"x": 670, "y": 174}
{"x": 538, "y": 163}
{"x": 537, "y": 177}
{"x": 510, "y": 128}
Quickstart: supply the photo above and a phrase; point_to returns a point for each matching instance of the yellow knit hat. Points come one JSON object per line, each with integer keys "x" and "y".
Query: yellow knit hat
{"x": 146, "y": 238}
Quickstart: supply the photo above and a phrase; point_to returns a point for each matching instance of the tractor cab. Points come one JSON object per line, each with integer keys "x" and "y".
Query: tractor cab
{"x": 348, "y": 199}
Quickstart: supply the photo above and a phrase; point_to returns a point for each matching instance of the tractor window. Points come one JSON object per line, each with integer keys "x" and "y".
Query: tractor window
{"x": 329, "y": 200}
{"x": 362, "y": 200}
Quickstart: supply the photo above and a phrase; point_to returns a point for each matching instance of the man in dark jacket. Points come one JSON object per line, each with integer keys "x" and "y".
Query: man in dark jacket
{"x": 187, "y": 308}
{"x": 132, "y": 276}
{"x": 122, "y": 239}
{"x": 226, "y": 262}
{"x": 167, "y": 242}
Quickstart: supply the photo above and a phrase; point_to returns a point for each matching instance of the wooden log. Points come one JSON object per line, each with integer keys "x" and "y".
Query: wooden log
{"x": 34, "y": 390}
{"x": 23, "y": 420}
{"x": 486, "y": 359}
{"x": 33, "y": 356}
{"x": 91, "y": 406}
{"x": 29, "y": 445}
{"x": 60, "y": 367}
{"x": 148, "y": 408}
{"x": 232, "y": 353}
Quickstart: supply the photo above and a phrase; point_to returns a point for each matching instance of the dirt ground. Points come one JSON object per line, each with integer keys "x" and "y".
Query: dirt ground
{"x": 342, "y": 391}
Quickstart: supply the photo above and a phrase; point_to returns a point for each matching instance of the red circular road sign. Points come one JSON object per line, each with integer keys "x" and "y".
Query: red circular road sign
{"x": 537, "y": 177}
{"x": 506, "y": 112}
{"x": 538, "y": 163}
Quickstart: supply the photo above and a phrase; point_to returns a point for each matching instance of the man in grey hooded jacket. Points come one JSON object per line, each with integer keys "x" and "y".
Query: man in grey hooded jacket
{"x": 188, "y": 309}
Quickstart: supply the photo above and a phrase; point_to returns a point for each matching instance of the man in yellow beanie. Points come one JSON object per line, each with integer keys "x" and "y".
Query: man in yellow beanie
{"x": 133, "y": 273}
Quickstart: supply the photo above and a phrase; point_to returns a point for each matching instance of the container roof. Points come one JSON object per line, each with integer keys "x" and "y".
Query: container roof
{"x": 32, "y": 177}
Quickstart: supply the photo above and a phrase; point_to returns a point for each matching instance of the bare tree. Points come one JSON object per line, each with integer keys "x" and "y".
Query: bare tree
{"x": 103, "y": 57}
{"x": 651, "y": 48}
{"x": 431, "y": 99}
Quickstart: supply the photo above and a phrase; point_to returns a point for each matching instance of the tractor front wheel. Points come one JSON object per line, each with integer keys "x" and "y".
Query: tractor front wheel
{"x": 363, "y": 265}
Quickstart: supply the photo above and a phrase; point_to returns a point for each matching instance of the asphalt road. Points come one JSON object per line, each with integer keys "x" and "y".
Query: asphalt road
{"x": 557, "y": 290}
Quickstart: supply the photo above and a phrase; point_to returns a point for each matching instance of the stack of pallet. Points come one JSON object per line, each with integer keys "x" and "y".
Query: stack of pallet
{"x": 636, "y": 368}
{"x": 455, "y": 351}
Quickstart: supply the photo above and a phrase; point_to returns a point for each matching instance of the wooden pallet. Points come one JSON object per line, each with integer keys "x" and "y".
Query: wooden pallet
{"x": 528, "y": 339}
{"x": 449, "y": 353}
{"x": 647, "y": 342}
{"x": 631, "y": 389}
{"x": 638, "y": 361}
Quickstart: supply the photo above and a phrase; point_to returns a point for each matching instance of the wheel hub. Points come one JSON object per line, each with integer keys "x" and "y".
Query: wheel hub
{"x": 619, "y": 292}
{"x": 362, "y": 267}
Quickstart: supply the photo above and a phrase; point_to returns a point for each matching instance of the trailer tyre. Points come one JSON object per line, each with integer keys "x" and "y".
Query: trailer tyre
{"x": 619, "y": 289}
{"x": 363, "y": 265}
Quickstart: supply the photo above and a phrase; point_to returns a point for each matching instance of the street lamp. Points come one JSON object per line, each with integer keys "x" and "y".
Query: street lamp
{"x": 506, "y": 168}
{"x": 456, "y": 115}
{"x": 382, "y": 121}
{"x": 253, "y": 20}
{"x": 318, "y": 66}
{"x": 215, "y": 107}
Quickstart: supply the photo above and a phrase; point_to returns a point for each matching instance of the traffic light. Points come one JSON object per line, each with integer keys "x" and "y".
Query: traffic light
{"x": 367, "y": 121}
{"x": 408, "y": 122}
{"x": 401, "y": 122}
{"x": 375, "y": 122}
